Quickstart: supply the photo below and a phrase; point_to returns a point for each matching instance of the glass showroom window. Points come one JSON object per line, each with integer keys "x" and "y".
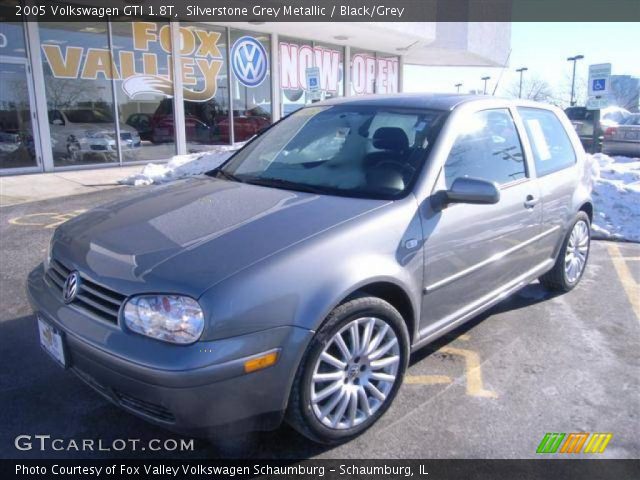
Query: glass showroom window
{"x": 250, "y": 83}
{"x": 373, "y": 73}
{"x": 205, "y": 85}
{"x": 144, "y": 89}
{"x": 387, "y": 73}
{"x": 17, "y": 147}
{"x": 330, "y": 60}
{"x": 78, "y": 69}
{"x": 298, "y": 55}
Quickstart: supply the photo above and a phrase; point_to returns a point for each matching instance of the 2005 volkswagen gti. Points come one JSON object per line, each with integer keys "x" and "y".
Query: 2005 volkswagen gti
{"x": 294, "y": 281}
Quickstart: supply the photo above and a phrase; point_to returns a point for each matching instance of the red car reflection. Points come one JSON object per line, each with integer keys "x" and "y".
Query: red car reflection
{"x": 245, "y": 127}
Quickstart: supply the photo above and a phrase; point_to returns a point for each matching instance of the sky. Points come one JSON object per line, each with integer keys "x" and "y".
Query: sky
{"x": 543, "y": 48}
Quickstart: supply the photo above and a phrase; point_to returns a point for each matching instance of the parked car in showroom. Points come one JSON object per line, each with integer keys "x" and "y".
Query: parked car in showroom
{"x": 246, "y": 124}
{"x": 142, "y": 122}
{"x": 80, "y": 132}
{"x": 200, "y": 120}
{"x": 293, "y": 282}
{"x": 583, "y": 120}
{"x": 623, "y": 139}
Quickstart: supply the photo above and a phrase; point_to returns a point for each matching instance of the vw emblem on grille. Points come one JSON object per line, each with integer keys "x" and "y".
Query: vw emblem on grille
{"x": 71, "y": 286}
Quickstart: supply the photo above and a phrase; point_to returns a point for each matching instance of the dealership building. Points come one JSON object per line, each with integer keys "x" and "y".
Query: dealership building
{"x": 79, "y": 95}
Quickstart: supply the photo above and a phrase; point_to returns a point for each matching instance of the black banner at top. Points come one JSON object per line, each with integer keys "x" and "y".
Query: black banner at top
{"x": 262, "y": 11}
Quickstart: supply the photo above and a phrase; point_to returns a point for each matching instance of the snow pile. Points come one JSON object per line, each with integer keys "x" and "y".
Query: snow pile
{"x": 616, "y": 197}
{"x": 181, "y": 166}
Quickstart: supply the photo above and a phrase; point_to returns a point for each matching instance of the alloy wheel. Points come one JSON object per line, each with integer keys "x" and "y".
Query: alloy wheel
{"x": 577, "y": 249}
{"x": 355, "y": 373}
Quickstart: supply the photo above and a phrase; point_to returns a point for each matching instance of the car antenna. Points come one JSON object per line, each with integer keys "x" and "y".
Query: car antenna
{"x": 506, "y": 62}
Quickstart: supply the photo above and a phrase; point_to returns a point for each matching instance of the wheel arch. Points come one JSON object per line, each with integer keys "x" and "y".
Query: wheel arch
{"x": 393, "y": 294}
{"x": 587, "y": 207}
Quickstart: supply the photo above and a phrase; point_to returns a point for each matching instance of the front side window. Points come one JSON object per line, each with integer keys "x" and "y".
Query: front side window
{"x": 552, "y": 149}
{"x": 488, "y": 148}
{"x": 342, "y": 150}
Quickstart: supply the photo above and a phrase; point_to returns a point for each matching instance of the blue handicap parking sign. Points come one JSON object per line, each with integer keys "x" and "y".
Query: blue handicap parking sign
{"x": 313, "y": 82}
{"x": 599, "y": 84}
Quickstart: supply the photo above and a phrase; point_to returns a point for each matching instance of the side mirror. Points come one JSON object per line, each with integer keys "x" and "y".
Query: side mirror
{"x": 57, "y": 121}
{"x": 467, "y": 190}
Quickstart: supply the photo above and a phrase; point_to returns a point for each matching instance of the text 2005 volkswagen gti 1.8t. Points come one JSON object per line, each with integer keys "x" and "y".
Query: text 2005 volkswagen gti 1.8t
{"x": 293, "y": 282}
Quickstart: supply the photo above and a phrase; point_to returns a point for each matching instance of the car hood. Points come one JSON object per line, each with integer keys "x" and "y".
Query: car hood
{"x": 186, "y": 237}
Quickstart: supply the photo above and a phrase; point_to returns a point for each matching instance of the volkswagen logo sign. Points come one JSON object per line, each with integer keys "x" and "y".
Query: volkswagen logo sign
{"x": 71, "y": 286}
{"x": 249, "y": 61}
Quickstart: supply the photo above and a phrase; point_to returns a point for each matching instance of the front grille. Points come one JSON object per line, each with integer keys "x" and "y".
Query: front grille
{"x": 157, "y": 412}
{"x": 125, "y": 136}
{"x": 95, "y": 299}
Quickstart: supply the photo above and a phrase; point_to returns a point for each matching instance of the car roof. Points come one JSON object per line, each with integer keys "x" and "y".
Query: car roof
{"x": 434, "y": 101}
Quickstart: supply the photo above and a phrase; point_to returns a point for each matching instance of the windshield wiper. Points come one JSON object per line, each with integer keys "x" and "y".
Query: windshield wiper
{"x": 224, "y": 174}
{"x": 285, "y": 184}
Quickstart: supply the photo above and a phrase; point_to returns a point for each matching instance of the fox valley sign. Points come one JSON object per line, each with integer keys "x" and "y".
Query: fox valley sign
{"x": 146, "y": 67}
{"x": 200, "y": 58}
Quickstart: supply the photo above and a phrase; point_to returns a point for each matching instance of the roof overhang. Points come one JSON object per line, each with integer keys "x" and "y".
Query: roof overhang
{"x": 426, "y": 43}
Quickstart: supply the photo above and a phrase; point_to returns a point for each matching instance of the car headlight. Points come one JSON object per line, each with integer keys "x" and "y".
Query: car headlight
{"x": 171, "y": 318}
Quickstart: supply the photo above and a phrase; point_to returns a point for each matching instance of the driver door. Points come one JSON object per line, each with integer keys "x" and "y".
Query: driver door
{"x": 471, "y": 251}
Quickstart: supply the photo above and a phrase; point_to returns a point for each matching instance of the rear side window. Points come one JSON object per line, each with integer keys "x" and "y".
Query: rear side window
{"x": 487, "y": 147}
{"x": 552, "y": 148}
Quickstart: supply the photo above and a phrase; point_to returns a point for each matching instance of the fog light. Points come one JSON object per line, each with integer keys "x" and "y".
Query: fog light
{"x": 263, "y": 361}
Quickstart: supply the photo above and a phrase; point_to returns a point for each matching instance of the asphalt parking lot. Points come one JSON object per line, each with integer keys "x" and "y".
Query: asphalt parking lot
{"x": 534, "y": 364}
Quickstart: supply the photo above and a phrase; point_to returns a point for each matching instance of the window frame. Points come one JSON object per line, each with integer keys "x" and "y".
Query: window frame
{"x": 530, "y": 151}
{"x": 525, "y": 147}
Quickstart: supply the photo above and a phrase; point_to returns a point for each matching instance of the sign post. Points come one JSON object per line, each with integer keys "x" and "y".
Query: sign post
{"x": 598, "y": 92}
{"x": 599, "y": 79}
{"x": 313, "y": 83}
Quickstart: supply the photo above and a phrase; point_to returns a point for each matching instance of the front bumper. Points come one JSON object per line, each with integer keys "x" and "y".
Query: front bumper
{"x": 203, "y": 386}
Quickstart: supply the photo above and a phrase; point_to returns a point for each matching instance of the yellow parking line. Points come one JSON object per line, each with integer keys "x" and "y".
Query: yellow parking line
{"x": 631, "y": 287}
{"x": 475, "y": 386}
{"x": 426, "y": 379}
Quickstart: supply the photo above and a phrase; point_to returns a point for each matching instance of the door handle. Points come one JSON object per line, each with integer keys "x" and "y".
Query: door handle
{"x": 531, "y": 201}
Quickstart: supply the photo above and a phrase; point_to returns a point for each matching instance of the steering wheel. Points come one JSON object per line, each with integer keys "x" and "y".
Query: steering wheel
{"x": 404, "y": 168}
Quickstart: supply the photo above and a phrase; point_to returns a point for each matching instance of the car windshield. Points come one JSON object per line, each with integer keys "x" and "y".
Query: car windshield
{"x": 357, "y": 151}
{"x": 88, "y": 116}
{"x": 633, "y": 120}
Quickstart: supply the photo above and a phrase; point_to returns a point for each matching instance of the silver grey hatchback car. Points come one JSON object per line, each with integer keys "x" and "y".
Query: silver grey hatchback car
{"x": 294, "y": 281}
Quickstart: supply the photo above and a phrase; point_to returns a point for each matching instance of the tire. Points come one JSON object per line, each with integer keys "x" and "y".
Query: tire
{"x": 558, "y": 278}
{"x": 353, "y": 379}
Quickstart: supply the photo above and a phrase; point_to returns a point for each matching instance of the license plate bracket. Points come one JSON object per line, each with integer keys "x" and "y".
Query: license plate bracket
{"x": 52, "y": 342}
